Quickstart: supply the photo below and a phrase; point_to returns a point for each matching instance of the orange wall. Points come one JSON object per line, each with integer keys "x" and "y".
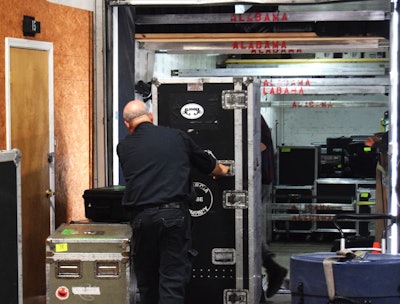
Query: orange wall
{"x": 70, "y": 31}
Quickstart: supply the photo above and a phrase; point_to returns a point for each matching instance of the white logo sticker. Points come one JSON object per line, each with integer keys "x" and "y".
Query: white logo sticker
{"x": 91, "y": 290}
{"x": 204, "y": 200}
{"x": 192, "y": 111}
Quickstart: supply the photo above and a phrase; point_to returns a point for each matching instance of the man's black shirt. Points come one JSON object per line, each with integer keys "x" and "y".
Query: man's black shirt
{"x": 156, "y": 162}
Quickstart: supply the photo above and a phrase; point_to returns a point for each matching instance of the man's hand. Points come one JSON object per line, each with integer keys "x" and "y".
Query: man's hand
{"x": 263, "y": 147}
{"x": 220, "y": 170}
{"x": 371, "y": 141}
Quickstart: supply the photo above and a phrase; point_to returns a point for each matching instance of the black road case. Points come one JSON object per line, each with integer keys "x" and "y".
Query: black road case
{"x": 11, "y": 243}
{"x": 297, "y": 165}
{"x": 222, "y": 115}
{"x": 104, "y": 204}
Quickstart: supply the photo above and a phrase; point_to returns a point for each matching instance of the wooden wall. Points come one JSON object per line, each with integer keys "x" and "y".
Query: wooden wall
{"x": 70, "y": 31}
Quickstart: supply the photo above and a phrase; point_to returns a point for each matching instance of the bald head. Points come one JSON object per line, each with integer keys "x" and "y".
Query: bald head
{"x": 136, "y": 112}
{"x": 134, "y": 109}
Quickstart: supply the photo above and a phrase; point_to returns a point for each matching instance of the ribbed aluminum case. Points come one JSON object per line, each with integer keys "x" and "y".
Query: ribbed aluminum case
{"x": 89, "y": 262}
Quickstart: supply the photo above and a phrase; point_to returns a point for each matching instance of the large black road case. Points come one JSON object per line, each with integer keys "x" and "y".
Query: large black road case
{"x": 90, "y": 263}
{"x": 222, "y": 115}
{"x": 10, "y": 209}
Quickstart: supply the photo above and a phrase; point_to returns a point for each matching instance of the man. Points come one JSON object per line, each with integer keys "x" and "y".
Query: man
{"x": 275, "y": 272}
{"x": 381, "y": 143}
{"x": 156, "y": 162}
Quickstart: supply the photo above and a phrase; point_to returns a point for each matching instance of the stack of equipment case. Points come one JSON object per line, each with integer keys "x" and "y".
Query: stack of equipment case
{"x": 221, "y": 115}
{"x": 10, "y": 208}
{"x": 294, "y": 195}
{"x": 90, "y": 263}
{"x": 293, "y": 209}
{"x": 306, "y": 203}
{"x": 338, "y": 196}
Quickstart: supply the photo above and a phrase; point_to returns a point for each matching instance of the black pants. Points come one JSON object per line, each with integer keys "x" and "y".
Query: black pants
{"x": 161, "y": 248}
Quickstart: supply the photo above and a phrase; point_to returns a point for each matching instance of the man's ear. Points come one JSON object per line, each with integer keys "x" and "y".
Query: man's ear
{"x": 151, "y": 116}
{"x": 126, "y": 124}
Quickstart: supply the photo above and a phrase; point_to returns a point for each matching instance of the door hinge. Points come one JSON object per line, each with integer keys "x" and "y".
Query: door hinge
{"x": 50, "y": 157}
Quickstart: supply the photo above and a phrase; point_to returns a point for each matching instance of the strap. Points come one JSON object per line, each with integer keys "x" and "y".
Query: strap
{"x": 329, "y": 278}
{"x": 328, "y": 270}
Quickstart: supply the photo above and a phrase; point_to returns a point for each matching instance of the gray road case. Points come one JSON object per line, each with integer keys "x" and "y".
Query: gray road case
{"x": 89, "y": 263}
{"x": 221, "y": 114}
{"x": 10, "y": 209}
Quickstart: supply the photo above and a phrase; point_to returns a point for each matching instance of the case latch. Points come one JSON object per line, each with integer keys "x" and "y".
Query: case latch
{"x": 235, "y": 296}
{"x": 223, "y": 256}
{"x": 235, "y": 199}
{"x": 232, "y": 100}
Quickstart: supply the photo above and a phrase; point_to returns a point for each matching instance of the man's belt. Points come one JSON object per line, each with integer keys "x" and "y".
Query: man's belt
{"x": 173, "y": 205}
{"x": 170, "y": 206}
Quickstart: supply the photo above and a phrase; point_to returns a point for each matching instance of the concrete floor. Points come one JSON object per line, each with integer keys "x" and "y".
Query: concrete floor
{"x": 287, "y": 246}
{"x": 280, "y": 299}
